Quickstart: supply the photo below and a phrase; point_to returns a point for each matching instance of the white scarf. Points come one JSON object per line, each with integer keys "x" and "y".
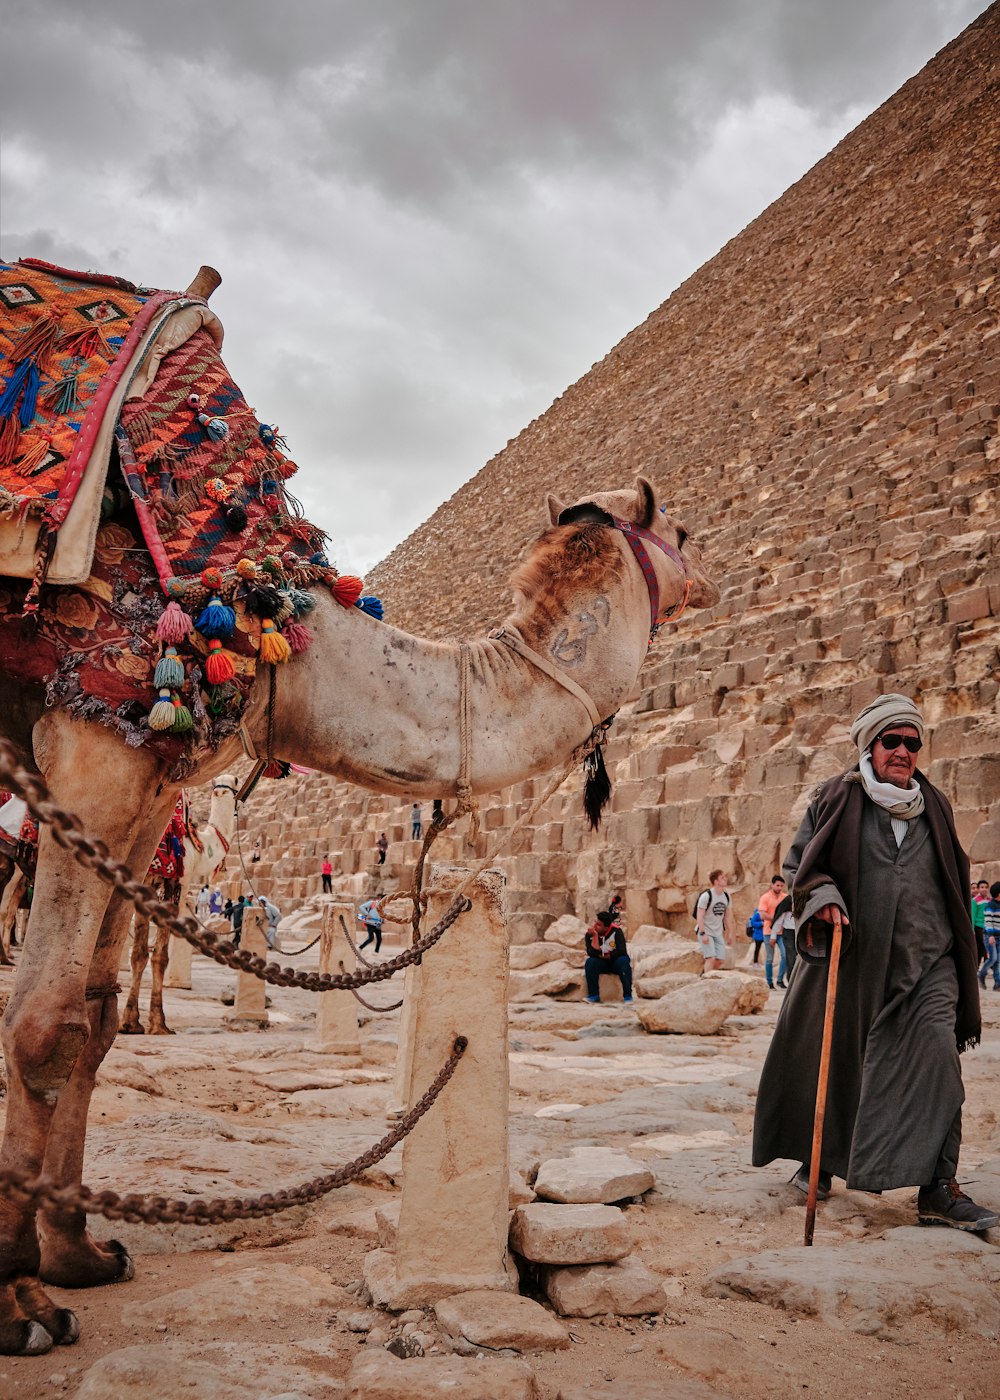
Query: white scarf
{"x": 902, "y": 803}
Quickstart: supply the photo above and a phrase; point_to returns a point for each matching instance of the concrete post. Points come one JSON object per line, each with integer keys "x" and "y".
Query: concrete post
{"x": 452, "y": 1233}
{"x": 178, "y": 972}
{"x": 399, "y": 1093}
{"x": 251, "y": 992}
{"x": 337, "y": 1015}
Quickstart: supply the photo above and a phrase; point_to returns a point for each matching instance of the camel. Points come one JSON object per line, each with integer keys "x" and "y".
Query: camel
{"x": 366, "y": 703}
{"x": 205, "y": 849}
{"x": 13, "y": 886}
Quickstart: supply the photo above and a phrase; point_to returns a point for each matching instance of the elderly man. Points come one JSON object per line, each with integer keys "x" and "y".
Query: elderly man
{"x": 879, "y": 844}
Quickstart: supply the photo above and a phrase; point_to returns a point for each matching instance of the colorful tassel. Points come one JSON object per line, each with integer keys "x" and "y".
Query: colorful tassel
{"x": 372, "y": 606}
{"x": 169, "y": 671}
{"x": 161, "y": 716}
{"x": 347, "y": 590}
{"x": 87, "y": 343}
{"x": 298, "y": 637}
{"x": 216, "y": 428}
{"x": 273, "y": 647}
{"x": 63, "y": 397}
{"x": 219, "y": 666}
{"x": 183, "y": 719}
{"x": 33, "y": 455}
{"x": 23, "y": 385}
{"x": 261, "y": 599}
{"x": 174, "y": 624}
{"x": 216, "y": 619}
{"x": 35, "y": 344}
{"x": 302, "y": 602}
{"x": 277, "y": 768}
{"x": 10, "y": 441}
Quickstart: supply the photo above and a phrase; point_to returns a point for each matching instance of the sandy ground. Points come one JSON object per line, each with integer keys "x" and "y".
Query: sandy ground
{"x": 214, "y": 1111}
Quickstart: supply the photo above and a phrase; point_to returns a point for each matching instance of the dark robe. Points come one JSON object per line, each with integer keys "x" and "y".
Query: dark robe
{"x": 904, "y": 1000}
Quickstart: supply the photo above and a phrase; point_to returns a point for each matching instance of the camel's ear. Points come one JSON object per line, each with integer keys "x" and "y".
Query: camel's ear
{"x": 647, "y": 502}
{"x": 555, "y": 508}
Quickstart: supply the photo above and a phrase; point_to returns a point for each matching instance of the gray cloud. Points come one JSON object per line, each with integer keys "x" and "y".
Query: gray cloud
{"x": 430, "y": 218}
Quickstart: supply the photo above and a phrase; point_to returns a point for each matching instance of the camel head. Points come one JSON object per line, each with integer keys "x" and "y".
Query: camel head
{"x": 640, "y": 507}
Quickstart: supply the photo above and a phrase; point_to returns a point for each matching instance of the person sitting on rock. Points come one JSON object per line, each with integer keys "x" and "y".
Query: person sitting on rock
{"x": 606, "y": 952}
{"x": 878, "y": 848}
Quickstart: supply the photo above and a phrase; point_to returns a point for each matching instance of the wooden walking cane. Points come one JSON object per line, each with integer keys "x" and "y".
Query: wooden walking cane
{"x": 823, "y": 1081}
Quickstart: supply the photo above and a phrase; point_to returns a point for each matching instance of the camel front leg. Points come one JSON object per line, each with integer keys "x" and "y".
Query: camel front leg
{"x": 161, "y": 956}
{"x": 47, "y": 1024}
{"x": 131, "y": 1025}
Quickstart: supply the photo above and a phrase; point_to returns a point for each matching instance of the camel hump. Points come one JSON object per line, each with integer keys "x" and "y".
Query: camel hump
{"x": 204, "y": 283}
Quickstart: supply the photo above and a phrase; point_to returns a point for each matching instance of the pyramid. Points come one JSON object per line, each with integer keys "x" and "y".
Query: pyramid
{"x": 819, "y": 403}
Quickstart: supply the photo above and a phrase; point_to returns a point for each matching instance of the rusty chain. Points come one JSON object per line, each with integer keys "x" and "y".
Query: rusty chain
{"x": 93, "y": 855}
{"x": 152, "y": 1210}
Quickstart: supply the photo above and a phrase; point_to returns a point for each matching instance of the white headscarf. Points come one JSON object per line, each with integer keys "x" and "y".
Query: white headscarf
{"x": 901, "y": 803}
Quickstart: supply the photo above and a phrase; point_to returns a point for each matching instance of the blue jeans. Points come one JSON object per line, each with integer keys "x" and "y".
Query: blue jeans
{"x": 769, "y": 948}
{"x": 593, "y": 968}
{"x": 992, "y": 960}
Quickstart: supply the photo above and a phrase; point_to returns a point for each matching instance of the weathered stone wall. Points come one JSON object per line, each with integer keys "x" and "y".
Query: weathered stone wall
{"x": 820, "y": 404}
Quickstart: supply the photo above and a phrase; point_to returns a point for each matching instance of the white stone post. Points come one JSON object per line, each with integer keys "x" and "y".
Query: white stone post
{"x": 251, "y": 992}
{"x": 452, "y": 1233}
{"x": 337, "y": 1015}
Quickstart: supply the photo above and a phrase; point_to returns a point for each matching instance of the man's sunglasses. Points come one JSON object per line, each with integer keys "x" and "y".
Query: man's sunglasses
{"x": 893, "y": 741}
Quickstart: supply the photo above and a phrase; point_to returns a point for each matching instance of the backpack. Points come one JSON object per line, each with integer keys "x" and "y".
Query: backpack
{"x": 755, "y": 925}
{"x": 694, "y": 907}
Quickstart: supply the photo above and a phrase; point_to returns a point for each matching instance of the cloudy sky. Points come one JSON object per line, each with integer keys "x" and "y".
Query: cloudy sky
{"x": 431, "y": 216}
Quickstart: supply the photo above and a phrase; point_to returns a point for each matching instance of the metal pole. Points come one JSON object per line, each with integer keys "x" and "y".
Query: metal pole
{"x": 824, "y": 1076}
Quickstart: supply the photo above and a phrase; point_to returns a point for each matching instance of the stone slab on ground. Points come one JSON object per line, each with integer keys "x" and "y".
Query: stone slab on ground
{"x": 546, "y": 980}
{"x": 716, "y": 1179}
{"x": 650, "y": 988}
{"x": 660, "y": 1108}
{"x": 390, "y": 1290}
{"x": 567, "y": 929}
{"x": 592, "y": 1175}
{"x": 754, "y": 991}
{"x": 665, "y": 1387}
{"x": 377, "y": 1375}
{"x": 948, "y": 1277}
{"x": 675, "y": 955}
{"x": 563, "y": 1234}
{"x": 626, "y": 1289}
{"x": 526, "y": 956}
{"x": 701, "y": 1008}
{"x": 229, "y": 1371}
{"x": 498, "y": 1320}
{"x": 240, "y": 1295}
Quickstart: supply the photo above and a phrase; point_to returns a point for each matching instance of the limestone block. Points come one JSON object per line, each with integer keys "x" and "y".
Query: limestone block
{"x": 653, "y": 987}
{"x": 387, "y": 1223}
{"x": 245, "y": 1296}
{"x": 496, "y": 1320}
{"x": 680, "y": 1388}
{"x": 570, "y": 1234}
{"x": 378, "y": 1375}
{"x": 647, "y": 936}
{"x": 677, "y": 954}
{"x": 568, "y": 930}
{"x": 753, "y": 990}
{"x": 625, "y": 1289}
{"x": 532, "y": 955}
{"x": 230, "y": 1371}
{"x": 545, "y": 981}
{"x": 592, "y": 1175}
{"x": 700, "y": 1008}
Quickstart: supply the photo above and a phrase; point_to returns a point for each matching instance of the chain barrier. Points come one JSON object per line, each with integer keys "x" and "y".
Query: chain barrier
{"x": 93, "y": 855}
{"x": 159, "y": 1210}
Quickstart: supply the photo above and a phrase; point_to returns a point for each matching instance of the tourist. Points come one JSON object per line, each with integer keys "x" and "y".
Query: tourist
{"x": 767, "y": 904}
{"x": 606, "y": 952}
{"x": 255, "y": 857}
{"x": 273, "y": 915}
{"x": 227, "y": 911}
{"x": 382, "y": 845}
{"x": 370, "y": 915}
{"x": 215, "y": 903}
{"x": 203, "y": 904}
{"x": 991, "y": 937}
{"x": 714, "y": 921}
{"x": 878, "y": 844}
{"x": 327, "y": 872}
{"x": 979, "y": 896}
{"x": 755, "y": 930}
{"x": 415, "y": 822}
{"x": 237, "y": 917}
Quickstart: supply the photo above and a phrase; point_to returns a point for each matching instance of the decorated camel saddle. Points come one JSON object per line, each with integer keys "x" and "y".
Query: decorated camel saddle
{"x": 151, "y": 553}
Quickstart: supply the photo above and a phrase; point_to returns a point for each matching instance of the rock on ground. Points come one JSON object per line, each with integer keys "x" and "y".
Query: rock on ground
{"x": 949, "y": 1278}
{"x": 376, "y": 1375}
{"x": 754, "y": 991}
{"x": 592, "y": 1175}
{"x": 675, "y": 955}
{"x": 497, "y": 1320}
{"x": 699, "y": 1009}
{"x": 552, "y": 977}
{"x": 625, "y": 1289}
{"x": 561, "y": 1234}
{"x": 666, "y": 1387}
{"x": 230, "y": 1371}
{"x": 659, "y": 986}
{"x": 239, "y": 1296}
{"x": 568, "y": 929}
{"x": 525, "y": 956}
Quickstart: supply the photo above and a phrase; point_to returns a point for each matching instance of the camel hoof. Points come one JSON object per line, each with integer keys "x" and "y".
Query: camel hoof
{"x": 161, "y": 1030}
{"x": 69, "y": 1327}
{"x": 37, "y": 1341}
{"x": 125, "y": 1260}
{"x": 137, "y": 1029}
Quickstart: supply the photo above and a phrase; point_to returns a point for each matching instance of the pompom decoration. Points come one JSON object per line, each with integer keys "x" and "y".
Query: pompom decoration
{"x": 161, "y": 716}
{"x": 286, "y": 468}
{"x": 174, "y": 624}
{"x": 268, "y": 434}
{"x": 235, "y": 517}
{"x": 217, "y": 490}
{"x": 194, "y": 401}
{"x": 212, "y": 579}
{"x": 273, "y": 647}
{"x": 216, "y": 619}
{"x": 175, "y": 587}
{"x": 183, "y": 721}
{"x": 270, "y": 564}
{"x": 299, "y": 637}
{"x": 218, "y": 664}
{"x": 290, "y": 560}
{"x": 262, "y": 599}
{"x": 372, "y": 606}
{"x": 246, "y": 568}
{"x": 320, "y": 559}
{"x": 169, "y": 670}
{"x": 302, "y": 602}
{"x": 347, "y": 590}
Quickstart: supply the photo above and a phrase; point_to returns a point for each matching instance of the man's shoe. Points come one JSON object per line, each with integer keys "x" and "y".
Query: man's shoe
{"x": 627, "y": 1001}
{"x": 982, "y": 983}
{"x": 945, "y": 1203}
{"x": 594, "y": 1001}
{"x": 801, "y": 1182}
{"x": 781, "y": 982}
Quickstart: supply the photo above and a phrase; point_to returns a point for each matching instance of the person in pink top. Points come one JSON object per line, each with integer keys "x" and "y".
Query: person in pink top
{"x": 327, "y": 870}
